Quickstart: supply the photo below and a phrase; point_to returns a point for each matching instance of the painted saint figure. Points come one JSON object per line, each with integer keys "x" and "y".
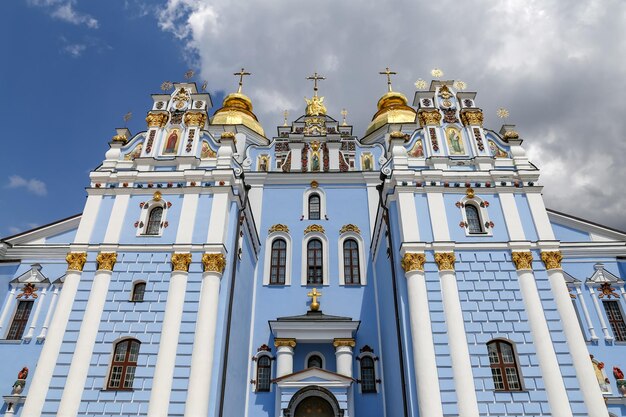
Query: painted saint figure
{"x": 172, "y": 143}
{"x": 418, "y": 149}
{"x": 455, "y": 142}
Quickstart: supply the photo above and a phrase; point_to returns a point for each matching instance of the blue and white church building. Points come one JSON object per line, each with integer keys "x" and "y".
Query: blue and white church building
{"x": 217, "y": 271}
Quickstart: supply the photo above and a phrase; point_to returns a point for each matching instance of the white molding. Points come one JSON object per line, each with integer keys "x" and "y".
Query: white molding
{"x": 511, "y": 216}
{"x": 325, "y": 258}
{"x": 113, "y": 345}
{"x": 438, "y": 217}
{"x": 117, "y": 218}
{"x": 483, "y": 215}
{"x": 540, "y": 216}
{"x": 144, "y": 216}
{"x": 377, "y": 377}
{"x": 361, "y": 250}
{"x": 315, "y": 352}
{"x": 255, "y": 364}
{"x": 305, "y": 203}
{"x": 268, "y": 257}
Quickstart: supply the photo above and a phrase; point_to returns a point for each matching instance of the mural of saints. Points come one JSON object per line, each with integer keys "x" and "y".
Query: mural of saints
{"x": 455, "y": 141}
{"x": 135, "y": 153}
{"x": 496, "y": 151}
{"x": 418, "y": 149}
{"x": 171, "y": 143}
{"x": 206, "y": 151}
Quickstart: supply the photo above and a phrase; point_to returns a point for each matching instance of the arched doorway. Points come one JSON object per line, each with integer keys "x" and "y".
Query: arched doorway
{"x": 314, "y": 407}
{"x": 313, "y": 401}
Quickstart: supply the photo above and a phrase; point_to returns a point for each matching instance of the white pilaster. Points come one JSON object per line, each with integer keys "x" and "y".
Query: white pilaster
{"x": 35, "y": 319}
{"x": 438, "y": 217}
{"x": 116, "y": 219}
{"x": 333, "y": 160}
{"x": 511, "y": 216}
{"x": 540, "y": 216}
{"x": 284, "y": 356}
{"x": 46, "y": 321}
{"x": 184, "y": 232}
{"x": 409, "y": 230}
{"x": 600, "y": 314}
{"x": 8, "y": 306}
{"x": 220, "y": 210}
{"x": 88, "y": 219}
{"x": 296, "y": 156}
{"x": 343, "y": 355}
{"x": 583, "y": 303}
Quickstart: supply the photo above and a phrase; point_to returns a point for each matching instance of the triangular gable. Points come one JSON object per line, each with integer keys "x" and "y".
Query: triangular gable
{"x": 32, "y": 276}
{"x": 570, "y": 279}
{"x": 314, "y": 375}
{"x": 595, "y": 231}
{"x": 602, "y": 276}
{"x": 41, "y": 235}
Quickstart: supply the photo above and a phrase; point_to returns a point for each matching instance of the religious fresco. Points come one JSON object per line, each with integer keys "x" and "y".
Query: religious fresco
{"x": 206, "y": 151}
{"x": 170, "y": 146}
{"x": 603, "y": 380}
{"x": 417, "y": 151}
{"x": 264, "y": 163}
{"x": 496, "y": 151}
{"x": 455, "y": 141}
{"x": 367, "y": 162}
{"x": 135, "y": 153}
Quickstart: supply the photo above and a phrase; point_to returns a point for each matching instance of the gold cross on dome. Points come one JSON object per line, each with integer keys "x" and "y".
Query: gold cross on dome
{"x": 241, "y": 74}
{"x": 315, "y": 305}
{"x": 388, "y": 73}
{"x": 344, "y": 113}
{"x": 315, "y": 77}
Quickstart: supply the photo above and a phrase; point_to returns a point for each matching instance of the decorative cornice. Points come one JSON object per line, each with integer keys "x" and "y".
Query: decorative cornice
{"x": 181, "y": 261}
{"x": 213, "y": 262}
{"x": 195, "y": 119}
{"x": 445, "y": 260}
{"x": 278, "y": 342}
{"x": 552, "y": 259}
{"x": 413, "y": 262}
{"x": 344, "y": 342}
{"x": 314, "y": 228}
{"x": 156, "y": 119}
{"x": 106, "y": 261}
{"x": 472, "y": 117}
{"x": 76, "y": 260}
{"x": 278, "y": 228}
{"x": 350, "y": 228}
{"x": 429, "y": 118}
{"x": 522, "y": 260}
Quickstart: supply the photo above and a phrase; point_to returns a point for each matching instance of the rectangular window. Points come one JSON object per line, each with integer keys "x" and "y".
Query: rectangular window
{"x": 20, "y": 319}
{"x": 616, "y": 319}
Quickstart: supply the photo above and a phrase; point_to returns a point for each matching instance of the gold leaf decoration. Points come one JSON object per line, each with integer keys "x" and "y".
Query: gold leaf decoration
{"x": 522, "y": 260}
{"x": 156, "y": 119}
{"x": 76, "y": 260}
{"x": 472, "y": 117}
{"x": 214, "y": 262}
{"x": 195, "y": 119}
{"x": 279, "y": 228}
{"x": 181, "y": 261}
{"x": 344, "y": 342}
{"x": 314, "y": 228}
{"x": 413, "y": 261}
{"x": 429, "y": 118}
{"x": 552, "y": 259}
{"x": 349, "y": 228}
{"x": 278, "y": 342}
{"x": 445, "y": 261}
{"x": 106, "y": 260}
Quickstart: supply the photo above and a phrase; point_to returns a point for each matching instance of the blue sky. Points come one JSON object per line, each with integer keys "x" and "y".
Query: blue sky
{"x": 72, "y": 68}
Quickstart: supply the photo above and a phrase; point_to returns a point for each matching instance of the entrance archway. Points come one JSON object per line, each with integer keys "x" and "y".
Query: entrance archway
{"x": 313, "y": 401}
{"x": 314, "y": 407}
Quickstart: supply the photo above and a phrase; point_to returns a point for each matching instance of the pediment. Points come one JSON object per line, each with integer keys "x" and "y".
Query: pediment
{"x": 314, "y": 376}
{"x": 593, "y": 231}
{"x": 602, "y": 276}
{"x": 59, "y": 232}
{"x": 32, "y": 276}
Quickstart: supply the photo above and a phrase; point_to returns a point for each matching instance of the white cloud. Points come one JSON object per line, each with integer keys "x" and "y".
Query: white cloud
{"x": 75, "y": 50}
{"x": 33, "y": 185}
{"x": 64, "y": 10}
{"x": 14, "y": 230}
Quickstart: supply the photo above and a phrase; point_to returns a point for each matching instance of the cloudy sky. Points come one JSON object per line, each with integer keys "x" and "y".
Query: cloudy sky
{"x": 71, "y": 69}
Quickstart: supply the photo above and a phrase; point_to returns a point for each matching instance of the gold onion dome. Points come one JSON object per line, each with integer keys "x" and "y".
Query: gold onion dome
{"x": 237, "y": 110}
{"x": 392, "y": 108}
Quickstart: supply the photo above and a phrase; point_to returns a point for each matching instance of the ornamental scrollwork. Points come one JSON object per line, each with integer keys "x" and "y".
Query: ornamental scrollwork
{"x": 278, "y": 342}
{"x": 344, "y": 342}
{"x": 213, "y": 262}
{"x": 413, "y": 262}
{"x": 445, "y": 261}
{"x": 472, "y": 117}
{"x": 106, "y": 260}
{"x": 607, "y": 291}
{"x": 181, "y": 261}
{"x": 28, "y": 291}
{"x": 350, "y": 228}
{"x": 76, "y": 260}
{"x": 314, "y": 228}
{"x": 195, "y": 119}
{"x": 522, "y": 260}
{"x": 552, "y": 259}
{"x": 429, "y": 118}
{"x": 278, "y": 228}
{"x": 156, "y": 119}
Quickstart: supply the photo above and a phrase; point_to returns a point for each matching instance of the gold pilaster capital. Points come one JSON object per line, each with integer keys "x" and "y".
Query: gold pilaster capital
{"x": 195, "y": 119}
{"x": 278, "y": 342}
{"x": 156, "y": 119}
{"x": 214, "y": 262}
{"x": 344, "y": 342}
{"x": 412, "y": 261}
{"x": 445, "y": 260}
{"x": 181, "y": 261}
{"x": 522, "y": 260}
{"x": 76, "y": 260}
{"x": 429, "y": 118}
{"x": 106, "y": 261}
{"x": 552, "y": 259}
{"x": 472, "y": 117}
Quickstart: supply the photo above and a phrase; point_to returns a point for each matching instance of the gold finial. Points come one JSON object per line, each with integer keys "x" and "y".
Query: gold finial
{"x": 189, "y": 74}
{"x": 344, "y": 113}
{"x": 388, "y": 73}
{"x": 204, "y": 86}
{"x": 241, "y": 75}
{"x": 436, "y": 72}
{"x": 420, "y": 84}
{"x": 315, "y": 77}
{"x": 285, "y": 115}
{"x": 167, "y": 85}
{"x": 469, "y": 192}
{"x": 315, "y": 305}
{"x": 502, "y": 113}
{"x": 460, "y": 85}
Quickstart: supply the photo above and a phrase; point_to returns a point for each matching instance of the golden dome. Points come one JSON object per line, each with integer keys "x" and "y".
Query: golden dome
{"x": 392, "y": 108}
{"x": 237, "y": 110}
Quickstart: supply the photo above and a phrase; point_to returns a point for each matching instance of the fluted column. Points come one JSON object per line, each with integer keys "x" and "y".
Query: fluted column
{"x": 343, "y": 355}
{"x": 428, "y": 394}
{"x": 166, "y": 358}
{"x": 50, "y": 351}
{"x": 77, "y": 375}
{"x": 548, "y": 363}
{"x": 284, "y": 356}
{"x": 575, "y": 341}
{"x": 33, "y": 322}
{"x": 457, "y": 339}
{"x": 197, "y": 404}
{"x": 46, "y": 321}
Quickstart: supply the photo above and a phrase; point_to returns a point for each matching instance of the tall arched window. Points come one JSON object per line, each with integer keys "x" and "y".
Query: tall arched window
{"x": 351, "y": 270}
{"x": 368, "y": 375}
{"x": 314, "y": 361}
{"x": 473, "y": 219}
{"x": 154, "y": 221}
{"x": 314, "y": 207}
{"x": 314, "y": 262}
{"x": 504, "y": 370}
{"x": 263, "y": 373}
{"x": 278, "y": 263}
{"x": 139, "y": 289}
{"x": 123, "y": 365}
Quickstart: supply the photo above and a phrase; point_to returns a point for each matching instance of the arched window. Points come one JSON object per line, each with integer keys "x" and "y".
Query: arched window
{"x": 504, "y": 370}
{"x": 154, "y": 221}
{"x": 351, "y": 270}
{"x": 278, "y": 263}
{"x": 123, "y": 365}
{"x": 473, "y": 219}
{"x": 139, "y": 289}
{"x": 368, "y": 375}
{"x": 314, "y": 262}
{"x": 314, "y": 361}
{"x": 263, "y": 373}
{"x": 314, "y": 206}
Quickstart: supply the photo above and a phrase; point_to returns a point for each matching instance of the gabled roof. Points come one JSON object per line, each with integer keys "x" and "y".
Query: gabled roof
{"x": 595, "y": 230}
{"x": 570, "y": 279}
{"x": 38, "y": 234}
{"x": 314, "y": 373}
{"x": 33, "y": 275}
{"x": 602, "y": 276}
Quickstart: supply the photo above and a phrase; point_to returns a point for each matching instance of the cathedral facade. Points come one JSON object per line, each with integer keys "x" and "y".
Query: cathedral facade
{"x": 412, "y": 271}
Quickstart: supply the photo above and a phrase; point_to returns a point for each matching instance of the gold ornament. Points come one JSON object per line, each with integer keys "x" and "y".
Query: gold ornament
{"x": 278, "y": 228}
{"x": 522, "y": 260}
{"x": 469, "y": 192}
{"x": 157, "y": 196}
{"x": 502, "y": 113}
{"x": 278, "y": 342}
{"x": 314, "y": 184}
{"x": 156, "y": 119}
{"x": 213, "y": 262}
{"x": 28, "y": 290}
{"x": 314, "y": 228}
{"x": 106, "y": 261}
{"x": 228, "y": 135}
{"x": 413, "y": 262}
{"x": 315, "y": 305}
{"x": 119, "y": 138}
{"x": 445, "y": 93}
{"x": 605, "y": 290}
{"x": 420, "y": 84}
{"x": 511, "y": 134}
{"x": 396, "y": 134}
{"x": 195, "y": 119}
{"x": 436, "y": 72}
{"x": 76, "y": 260}
{"x": 445, "y": 261}
{"x": 552, "y": 259}
{"x": 344, "y": 342}
{"x": 472, "y": 117}
{"x": 315, "y": 106}
{"x": 429, "y": 118}
{"x": 181, "y": 98}
{"x": 460, "y": 85}
{"x": 349, "y": 228}
{"x": 181, "y": 261}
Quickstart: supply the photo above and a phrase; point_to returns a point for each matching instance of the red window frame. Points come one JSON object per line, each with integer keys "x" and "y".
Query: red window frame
{"x": 351, "y": 268}
{"x": 278, "y": 262}
{"x": 504, "y": 370}
{"x": 20, "y": 320}
{"x": 123, "y": 365}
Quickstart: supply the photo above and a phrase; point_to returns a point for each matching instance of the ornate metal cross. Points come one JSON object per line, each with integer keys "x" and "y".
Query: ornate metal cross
{"x": 315, "y": 77}
{"x": 315, "y": 305}
{"x": 388, "y": 73}
{"x": 344, "y": 113}
{"x": 241, "y": 74}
